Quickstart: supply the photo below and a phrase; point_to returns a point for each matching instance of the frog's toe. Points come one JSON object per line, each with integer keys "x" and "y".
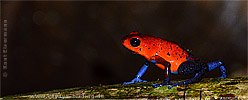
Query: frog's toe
{"x": 172, "y": 86}
{"x": 222, "y": 76}
{"x": 136, "y": 80}
{"x": 143, "y": 81}
{"x": 177, "y": 84}
{"x": 163, "y": 84}
{"x": 185, "y": 85}
{"x": 125, "y": 83}
{"x": 139, "y": 80}
{"x": 157, "y": 85}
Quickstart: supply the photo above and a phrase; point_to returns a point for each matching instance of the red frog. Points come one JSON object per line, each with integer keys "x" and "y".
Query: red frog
{"x": 170, "y": 57}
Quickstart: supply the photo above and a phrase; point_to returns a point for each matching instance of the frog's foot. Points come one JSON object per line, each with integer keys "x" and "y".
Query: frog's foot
{"x": 185, "y": 83}
{"x": 215, "y": 64}
{"x": 223, "y": 70}
{"x": 163, "y": 84}
{"x": 197, "y": 78}
{"x": 135, "y": 80}
{"x": 223, "y": 76}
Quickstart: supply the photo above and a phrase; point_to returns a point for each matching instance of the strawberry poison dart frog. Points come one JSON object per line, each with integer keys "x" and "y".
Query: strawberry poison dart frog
{"x": 170, "y": 57}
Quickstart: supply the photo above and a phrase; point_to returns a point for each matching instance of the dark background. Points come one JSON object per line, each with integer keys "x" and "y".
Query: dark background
{"x": 56, "y": 45}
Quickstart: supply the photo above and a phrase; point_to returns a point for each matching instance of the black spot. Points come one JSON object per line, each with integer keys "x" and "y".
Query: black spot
{"x": 182, "y": 53}
{"x": 176, "y": 53}
{"x": 177, "y": 47}
{"x": 171, "y": 47}
{"x": 148, "y": 48}
{"x": 153, "y": 44}
{"x": 166, "y": 42}
{"x": 168, "y": 54}
{"x": 180, "y": 57}
{"x": 158, "y": 51}
{"x": 161, "y": 42}
{"x": 161, "y": 48}
{"x": 140, "y": 49}
{"x": 179, "y": 54}
{"x": 177, "y": 58}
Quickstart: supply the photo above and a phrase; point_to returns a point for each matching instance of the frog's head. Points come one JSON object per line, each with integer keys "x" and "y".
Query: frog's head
{"x": 133, "y": 42}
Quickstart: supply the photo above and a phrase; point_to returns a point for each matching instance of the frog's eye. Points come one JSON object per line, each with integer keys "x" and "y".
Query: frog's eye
{"x": 135, "y": 42}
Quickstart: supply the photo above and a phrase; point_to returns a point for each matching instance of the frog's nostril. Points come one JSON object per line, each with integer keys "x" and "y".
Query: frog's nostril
{"x": 123, "y": 41}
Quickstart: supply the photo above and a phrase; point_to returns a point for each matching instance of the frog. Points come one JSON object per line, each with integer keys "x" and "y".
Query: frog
{"x": 170, "y": 57}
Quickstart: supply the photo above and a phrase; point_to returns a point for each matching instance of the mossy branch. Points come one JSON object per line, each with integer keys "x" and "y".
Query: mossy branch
{"x": 208, "y": 88}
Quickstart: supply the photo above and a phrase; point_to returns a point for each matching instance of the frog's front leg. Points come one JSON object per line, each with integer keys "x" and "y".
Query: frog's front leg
{"x": 167, "y": 77}
{"x": 163, "y": 64}
{"x": 140, "y": 74}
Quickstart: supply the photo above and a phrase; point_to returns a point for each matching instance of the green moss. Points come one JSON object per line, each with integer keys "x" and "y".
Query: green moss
{"x": 207, "y": 88}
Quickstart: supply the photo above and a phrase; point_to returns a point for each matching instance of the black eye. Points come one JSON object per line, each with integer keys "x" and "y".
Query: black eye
{"x": 135, "y": 42}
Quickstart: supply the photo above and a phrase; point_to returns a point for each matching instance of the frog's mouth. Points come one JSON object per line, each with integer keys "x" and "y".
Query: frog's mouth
{"x": 129, "y": 50}
{"x": 122, "y": 41}
{"x": 133, "y": 52}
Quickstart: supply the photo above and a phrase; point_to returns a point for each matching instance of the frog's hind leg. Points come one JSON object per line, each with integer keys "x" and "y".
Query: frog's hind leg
{"x": 191, "y": 68}
{"x": 215, "y": 64}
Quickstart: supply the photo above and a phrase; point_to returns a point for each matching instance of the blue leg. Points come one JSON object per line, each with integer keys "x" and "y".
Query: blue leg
{"x": 215, "y": 64}
{"x": 197, "y": 78}
{"x": 191, "y": 68}
{"x": 140, "y": 74}
{"x": 167, "y": 78}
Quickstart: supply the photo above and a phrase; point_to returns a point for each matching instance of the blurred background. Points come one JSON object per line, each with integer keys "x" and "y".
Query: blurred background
{"x": 62, "y": 44}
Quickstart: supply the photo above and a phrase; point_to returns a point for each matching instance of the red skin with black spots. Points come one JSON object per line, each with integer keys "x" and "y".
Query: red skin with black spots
{"x": 151, "y": 47}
